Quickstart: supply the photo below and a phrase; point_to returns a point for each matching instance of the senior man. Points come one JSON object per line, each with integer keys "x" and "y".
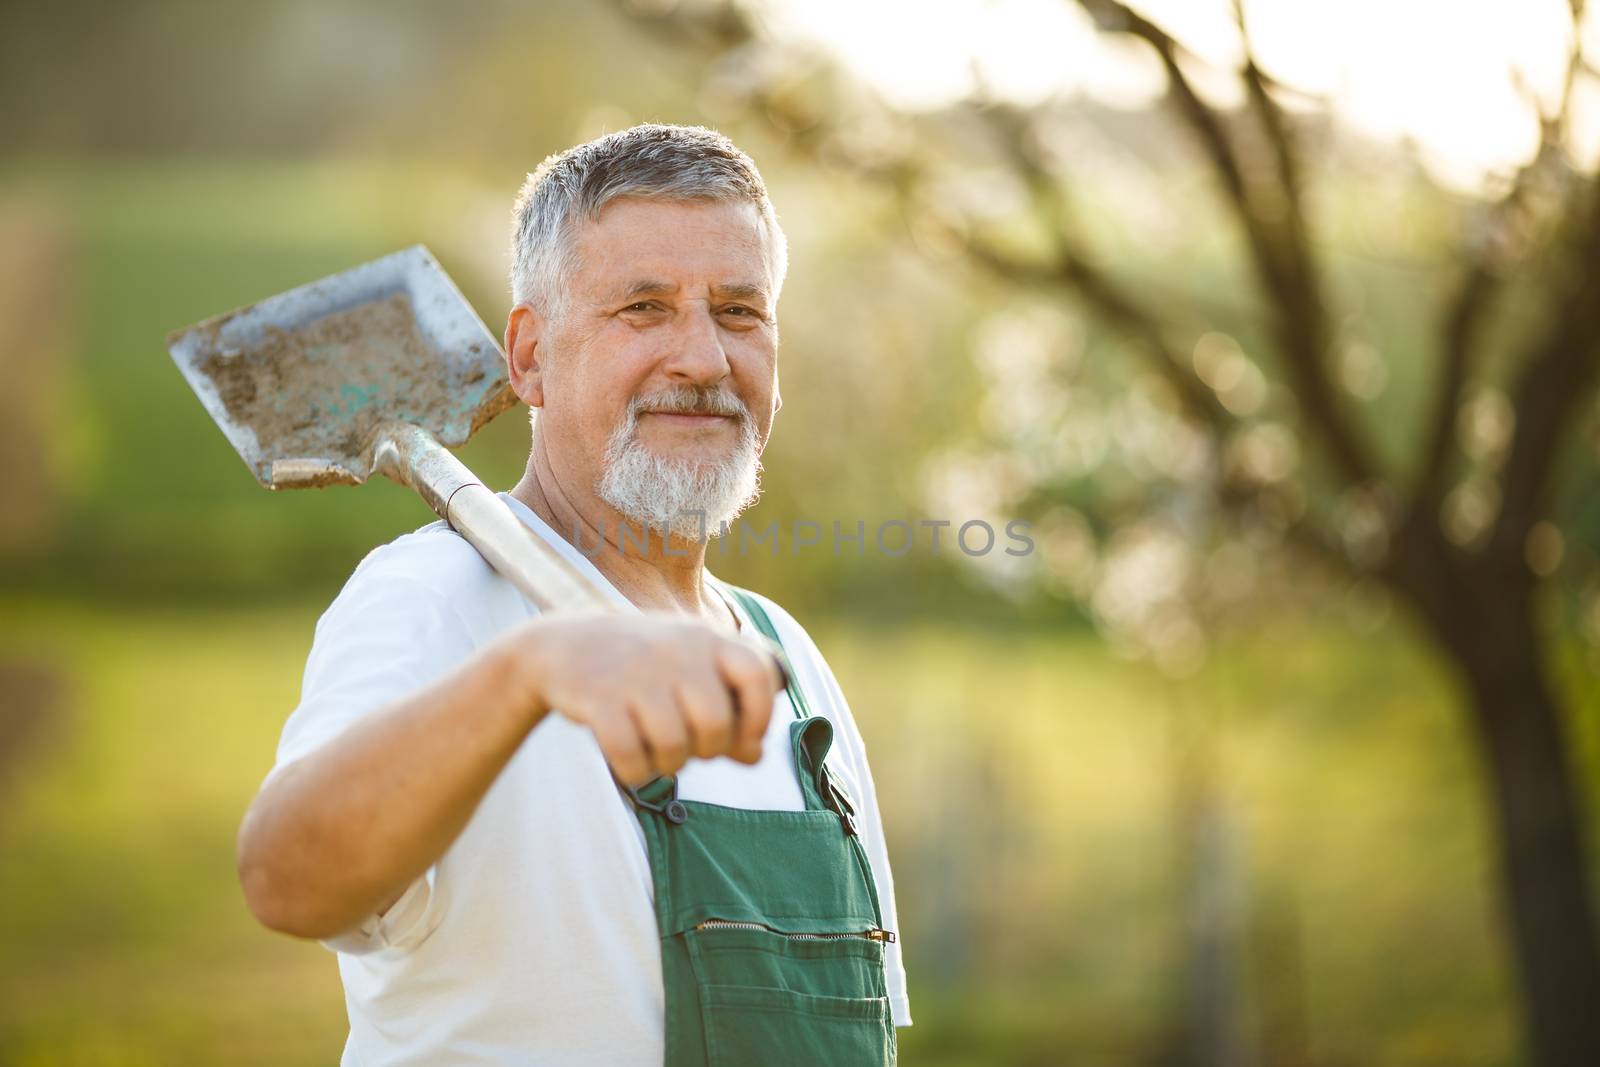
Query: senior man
{"x": 585, "y": 839}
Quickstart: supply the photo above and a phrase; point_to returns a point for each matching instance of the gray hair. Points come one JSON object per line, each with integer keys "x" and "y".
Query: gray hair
{"x": 651, "y": 161}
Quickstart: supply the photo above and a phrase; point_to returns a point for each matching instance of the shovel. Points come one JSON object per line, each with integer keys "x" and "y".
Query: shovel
{"x": 379, "y": 369}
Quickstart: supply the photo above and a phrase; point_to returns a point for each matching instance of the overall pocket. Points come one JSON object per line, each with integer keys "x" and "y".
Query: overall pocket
{"x": 778, "y": 1027}
{"x": 772, "y": 997}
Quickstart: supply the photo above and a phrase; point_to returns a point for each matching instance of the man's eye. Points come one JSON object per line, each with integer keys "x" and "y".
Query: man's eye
{"x": 643, "y": 305}
{"x": 740, "y": 310}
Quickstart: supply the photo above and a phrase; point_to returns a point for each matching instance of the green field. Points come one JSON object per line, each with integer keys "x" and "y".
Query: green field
{"x": 1030, "y": 784}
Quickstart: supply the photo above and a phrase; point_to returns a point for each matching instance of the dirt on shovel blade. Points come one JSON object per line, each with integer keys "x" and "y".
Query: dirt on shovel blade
{"x": 318, "y": 392}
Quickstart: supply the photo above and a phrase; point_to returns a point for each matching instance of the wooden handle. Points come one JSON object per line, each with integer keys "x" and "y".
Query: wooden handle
{"x": 411, "y": 456}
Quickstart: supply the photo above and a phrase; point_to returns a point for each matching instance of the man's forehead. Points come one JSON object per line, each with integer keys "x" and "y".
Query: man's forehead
{"x": 752, "y": 289}
{"x": 640, "y": 244}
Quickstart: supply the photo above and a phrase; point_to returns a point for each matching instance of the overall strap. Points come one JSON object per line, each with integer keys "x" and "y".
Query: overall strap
{"x": 763, "y": 621}
{"x": 811, "y": 737}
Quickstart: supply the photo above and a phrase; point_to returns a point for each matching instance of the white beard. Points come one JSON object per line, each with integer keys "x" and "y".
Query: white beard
{"x": 687, "y": 498}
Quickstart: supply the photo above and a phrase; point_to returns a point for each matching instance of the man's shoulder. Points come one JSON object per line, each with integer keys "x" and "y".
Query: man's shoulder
{"x": 434, "y": 556}
{"x": 430, "y": 567}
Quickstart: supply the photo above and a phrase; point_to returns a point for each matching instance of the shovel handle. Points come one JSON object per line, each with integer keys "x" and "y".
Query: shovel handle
{"x": 411, "y": 456}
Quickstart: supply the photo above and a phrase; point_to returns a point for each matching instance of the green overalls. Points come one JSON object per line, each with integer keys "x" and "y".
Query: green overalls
{"x": 772, "y": 946}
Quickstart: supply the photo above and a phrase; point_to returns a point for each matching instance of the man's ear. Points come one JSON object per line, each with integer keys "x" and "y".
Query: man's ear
{"x": 524, "y": 357}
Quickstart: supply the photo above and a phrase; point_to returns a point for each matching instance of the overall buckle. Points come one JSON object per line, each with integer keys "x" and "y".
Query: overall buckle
{"x": 671, "y": 809}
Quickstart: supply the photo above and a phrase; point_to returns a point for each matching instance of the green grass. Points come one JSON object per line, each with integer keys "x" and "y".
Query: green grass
{"x": 1034, "y": 789}
{"x": 124, "y": 937}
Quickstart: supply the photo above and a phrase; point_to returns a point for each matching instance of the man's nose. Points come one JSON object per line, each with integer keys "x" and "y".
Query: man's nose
{"x": 697, "y": 355}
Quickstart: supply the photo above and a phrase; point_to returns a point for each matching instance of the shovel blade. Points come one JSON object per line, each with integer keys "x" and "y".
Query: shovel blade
{"x": 300, "y": 382}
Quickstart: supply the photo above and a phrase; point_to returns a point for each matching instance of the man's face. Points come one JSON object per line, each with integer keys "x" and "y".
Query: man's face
{"x": 658, "y": 382}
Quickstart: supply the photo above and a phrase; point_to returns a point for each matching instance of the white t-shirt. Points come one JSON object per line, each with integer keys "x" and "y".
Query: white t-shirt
{"x": 533, "y": 939}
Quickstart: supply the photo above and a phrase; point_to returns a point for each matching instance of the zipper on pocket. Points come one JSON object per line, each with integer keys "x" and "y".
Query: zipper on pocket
{"x": 870, "y": 934}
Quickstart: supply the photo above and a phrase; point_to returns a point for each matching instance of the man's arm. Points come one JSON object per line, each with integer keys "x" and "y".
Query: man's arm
{"x": 340, "y": 833}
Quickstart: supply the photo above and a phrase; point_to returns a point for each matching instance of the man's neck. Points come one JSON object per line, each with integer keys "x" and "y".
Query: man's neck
{"x": 653, "y": 573}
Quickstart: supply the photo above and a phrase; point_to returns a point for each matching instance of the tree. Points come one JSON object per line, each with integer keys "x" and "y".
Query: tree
{"x": 1463, "y": 536}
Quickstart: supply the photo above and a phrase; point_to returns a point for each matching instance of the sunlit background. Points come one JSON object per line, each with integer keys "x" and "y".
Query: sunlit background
{"x": 1182, "y": 786}
{"x": 1464, "y": 82}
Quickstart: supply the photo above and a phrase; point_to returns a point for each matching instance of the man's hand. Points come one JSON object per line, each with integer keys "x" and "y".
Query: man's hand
{"x": 655, "y": 691}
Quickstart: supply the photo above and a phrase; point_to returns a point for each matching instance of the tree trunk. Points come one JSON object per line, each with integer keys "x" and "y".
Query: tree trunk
{"x": 1544, "y": 877}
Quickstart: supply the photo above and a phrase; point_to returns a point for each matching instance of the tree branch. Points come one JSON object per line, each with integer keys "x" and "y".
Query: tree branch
{"x": 1284, "y": 152}
{"x": 1119, "y": 311}
{"x": 1281, "y": 253}
{"x": 1461, "y": 329}
{"x": 1072, "y": 270}
{"x": 1477, "y": 289}
{"x": 1546, "y": 396}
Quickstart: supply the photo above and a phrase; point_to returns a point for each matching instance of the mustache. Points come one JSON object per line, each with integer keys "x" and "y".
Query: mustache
{"x": 690, "y": 400}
